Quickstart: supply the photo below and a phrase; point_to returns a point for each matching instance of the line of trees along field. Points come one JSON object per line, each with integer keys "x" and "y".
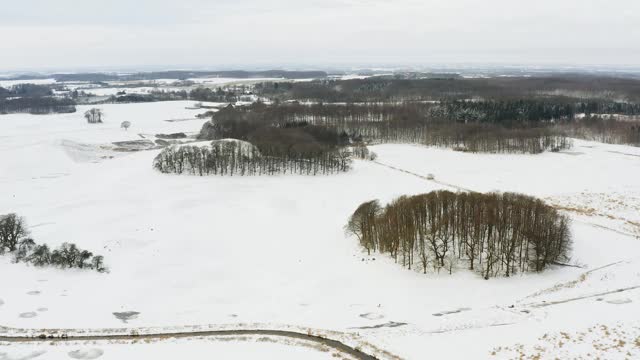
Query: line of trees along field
{"x": 15, "y": 240}
{"x": 494, "y": 234}
{"x": 243, "y": 159}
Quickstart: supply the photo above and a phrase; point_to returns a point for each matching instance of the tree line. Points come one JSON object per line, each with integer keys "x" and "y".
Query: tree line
{"x": 384, "y": 123}
{"x": 33, "y": 99}
{"x": 493, "y": 234}
{"x": 394, "y": 89}
{"x": 606, "y": 129}
{"x": 15, "y": 240}
{"x": 229, "y": 157}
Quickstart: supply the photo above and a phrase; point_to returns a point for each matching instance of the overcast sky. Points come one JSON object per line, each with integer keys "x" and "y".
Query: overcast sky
{"x": 66, "y": 34}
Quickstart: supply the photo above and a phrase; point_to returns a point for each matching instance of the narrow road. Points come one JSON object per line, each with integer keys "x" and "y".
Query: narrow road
{"x": 335, "y": 344}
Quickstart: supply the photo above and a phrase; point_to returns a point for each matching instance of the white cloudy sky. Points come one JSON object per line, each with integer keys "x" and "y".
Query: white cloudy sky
{"x": 41, "y": 34}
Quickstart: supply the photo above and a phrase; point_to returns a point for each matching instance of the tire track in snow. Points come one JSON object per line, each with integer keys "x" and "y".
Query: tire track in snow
{"x": 459, "y": 188}
{"x": 557, "y": 302}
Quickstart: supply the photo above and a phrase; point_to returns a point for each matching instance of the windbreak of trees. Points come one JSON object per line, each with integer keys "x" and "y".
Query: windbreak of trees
{"x": 493, "y": 234}
{"x": 230, "y": 157}
{"x": 15, "y": 240}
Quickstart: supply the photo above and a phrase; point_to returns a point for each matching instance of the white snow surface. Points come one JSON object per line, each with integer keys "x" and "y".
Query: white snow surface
{"x": 9, "y": 83}
{"x": 240, "y": 348}
{"x": 226, "y": 251}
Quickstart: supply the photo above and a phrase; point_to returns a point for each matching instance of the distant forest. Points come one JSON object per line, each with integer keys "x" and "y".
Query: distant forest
{"x": 34, "y": 99}
{"x": 390, "y": 89}
{"x": 474, "y": 114}
{"x": 493, "y": 234}
{"x": 499, "y": 114}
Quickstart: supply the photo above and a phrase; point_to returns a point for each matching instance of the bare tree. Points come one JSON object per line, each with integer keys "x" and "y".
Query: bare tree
{"x": 12, "y": 229}
{"x": 125, "y": 125}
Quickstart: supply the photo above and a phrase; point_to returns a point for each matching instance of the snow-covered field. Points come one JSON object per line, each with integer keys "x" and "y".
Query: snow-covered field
{"x": 194, "y": 349}
{"x": 271, "y": 251}
{"x": 9, "y": 83}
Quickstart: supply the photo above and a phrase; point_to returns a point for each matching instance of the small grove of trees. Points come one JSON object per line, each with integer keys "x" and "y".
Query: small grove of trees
{"x": 232, "y": 157}
{"x": 94, "y": 116}
{"x": 492, "y": 233}
{"x": 15, "y": 241}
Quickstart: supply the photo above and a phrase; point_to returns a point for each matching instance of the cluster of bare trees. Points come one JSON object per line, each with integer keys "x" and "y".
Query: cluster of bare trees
{"x": 243, "y": 159}
{"x": 491, "y": 233}
{"x": 94, "y": 116}
{"x": 15, "y": 240}
{"x": 360, "y": 151}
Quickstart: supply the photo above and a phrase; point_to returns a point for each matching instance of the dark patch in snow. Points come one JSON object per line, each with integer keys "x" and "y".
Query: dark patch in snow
{"x": 390, "y": 324}
{"x": 372, "y": 316}
{"x": 1, "y": 302}
{"x": 87, "y": 354}
{"x": 134, "y": 145}
{"x": 42, "y": 309}
{"x": 35, "y": 292}
{"x": 126, "y": 316}
{"x": 28, "y": 315}
{"x": 619, "y": 301}
{"x": 451, "y": 312}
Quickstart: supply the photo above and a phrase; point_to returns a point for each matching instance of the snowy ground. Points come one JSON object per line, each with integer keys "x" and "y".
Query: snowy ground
{"x": 193, "y": 349}
{"x": 9, "y": 83}
{"x": 271, "y": 251}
